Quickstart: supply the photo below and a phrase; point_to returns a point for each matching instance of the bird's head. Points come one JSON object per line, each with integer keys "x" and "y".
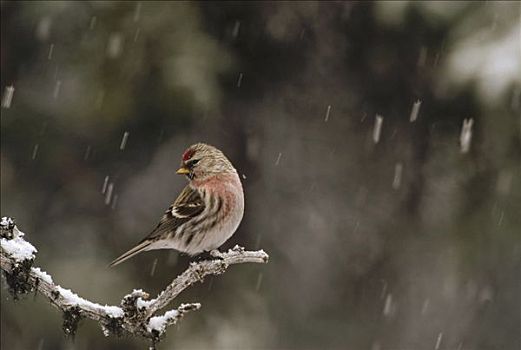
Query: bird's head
{"x": 200, "y": 161}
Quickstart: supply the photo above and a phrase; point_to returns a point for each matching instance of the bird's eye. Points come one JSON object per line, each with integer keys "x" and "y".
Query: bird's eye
{"x": 193, "y": 162}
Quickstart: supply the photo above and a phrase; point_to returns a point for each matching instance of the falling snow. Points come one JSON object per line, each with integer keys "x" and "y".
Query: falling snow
{"x": 105, "y": 183}
{"x": 153, "y": 269}
{"x": 278, "y": 159}
{"x": 327, "y": 113}
{"x": 35, "y": 151}
{"x": 57, "y": 88}
{"x": 376, "y": 346}
{"x": 377, "y": 128}
{"x": 466, "y": 135}
{"x": 136, "y": 34}
{"x": 123, "y": 143}
{"x": 236, "y": 28}
{"x": 438, "y": 341}
{"x": 259, "y": 281}
{"x": 51, "y": 50}
{"x": 92, "y": 23}
{"x": 257, "y": 241}
{"x": 504, "y": 182}
{"x": 388, "y": 306}
{"x": 425, "y": 306}
{"x": 7, "y": 98}
{"x": 87, "y": 153}
{"x": 108, "y": 194}
{"x": 397, "y": 180}
{"x": 71, "y": 67}
{"x": 210, "y": 284}
{"x": 384, "y": 287}
{"x": 115, "y": 45}
{"x": 43, "y": 29}
{"x": 415, "y": 110}
{"x": 137, "y": 11}
{"x": 114, "y": 202}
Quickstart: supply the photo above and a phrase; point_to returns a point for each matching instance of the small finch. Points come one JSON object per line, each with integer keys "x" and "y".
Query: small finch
{"x": 206, "y": 213}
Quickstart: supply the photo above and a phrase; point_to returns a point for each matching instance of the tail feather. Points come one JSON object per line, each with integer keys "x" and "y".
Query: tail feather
{"x": 136, "y": 250}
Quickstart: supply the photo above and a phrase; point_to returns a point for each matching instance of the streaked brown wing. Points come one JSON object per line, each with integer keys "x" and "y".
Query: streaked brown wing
{"x": 188, "y": 205}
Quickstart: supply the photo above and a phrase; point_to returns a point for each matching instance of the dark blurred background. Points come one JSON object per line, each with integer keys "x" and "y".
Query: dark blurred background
{"x": 410, "y": 242}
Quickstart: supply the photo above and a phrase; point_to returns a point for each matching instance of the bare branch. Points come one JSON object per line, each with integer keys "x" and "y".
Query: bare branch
{"x": 197, "y": 271}
{"x": 137, "y": 315}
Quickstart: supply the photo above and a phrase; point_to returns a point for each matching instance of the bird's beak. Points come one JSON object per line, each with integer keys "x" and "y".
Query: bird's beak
{"x": 183, "y": 171}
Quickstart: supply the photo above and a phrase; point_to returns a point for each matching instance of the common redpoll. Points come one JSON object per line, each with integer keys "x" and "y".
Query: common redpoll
{"x": 206, "y": 213}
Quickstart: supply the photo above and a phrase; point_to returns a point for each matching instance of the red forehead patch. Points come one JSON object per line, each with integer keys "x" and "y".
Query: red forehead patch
{"x": 188, "y": 154}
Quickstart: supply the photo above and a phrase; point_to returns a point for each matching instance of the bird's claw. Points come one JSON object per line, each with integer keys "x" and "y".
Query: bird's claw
{"x": 216, "y": 254}
{"x": 211, "y": 255}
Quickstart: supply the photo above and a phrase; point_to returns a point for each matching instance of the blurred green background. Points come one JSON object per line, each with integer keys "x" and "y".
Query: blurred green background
{"x": 408, "y": 243}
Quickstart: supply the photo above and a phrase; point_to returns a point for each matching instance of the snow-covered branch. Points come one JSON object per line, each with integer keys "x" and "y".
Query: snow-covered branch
{"x": 136, "y": 315}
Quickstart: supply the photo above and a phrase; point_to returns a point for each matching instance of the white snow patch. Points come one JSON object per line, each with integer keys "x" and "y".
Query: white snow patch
{"x": 6, "y": 221}
{"x": 158, "y": 323}
{"x": 140, "y": 302}
{"x": 113, "y": 311}
{"x": 17, "y": 247}
{"x": 143, "y": 304}
{"x": 44, "y": 276}
{"x": 72, "y": 298}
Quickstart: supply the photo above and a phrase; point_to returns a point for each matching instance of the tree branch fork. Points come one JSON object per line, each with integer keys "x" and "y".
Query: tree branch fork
{"x": 137, "y": 314}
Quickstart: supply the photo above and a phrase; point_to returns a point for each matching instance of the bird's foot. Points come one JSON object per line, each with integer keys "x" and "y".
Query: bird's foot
{"x": 217, "y": 254}
{"x": 211, "y": 255}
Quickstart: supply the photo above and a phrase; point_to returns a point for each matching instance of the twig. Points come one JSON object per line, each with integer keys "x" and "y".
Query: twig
{"x": 197, "y": 271}
{"x": 136, "y": 315}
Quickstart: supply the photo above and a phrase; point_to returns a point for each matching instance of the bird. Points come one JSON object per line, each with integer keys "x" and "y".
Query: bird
{"x": 206, "y": 213}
